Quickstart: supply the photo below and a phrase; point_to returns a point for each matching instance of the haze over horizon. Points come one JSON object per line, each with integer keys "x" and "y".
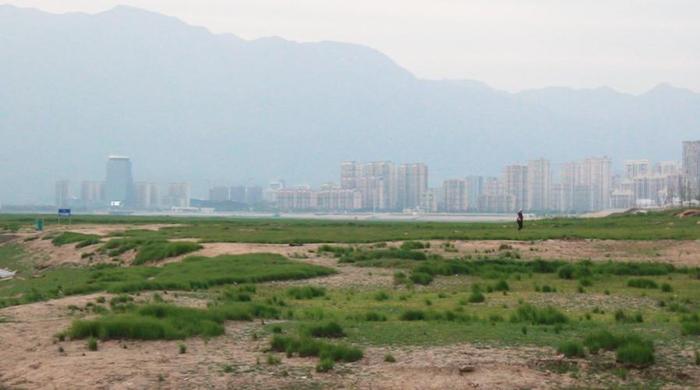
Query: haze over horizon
{"x": 630, "y": 46}
{"x": 79, "y": 87}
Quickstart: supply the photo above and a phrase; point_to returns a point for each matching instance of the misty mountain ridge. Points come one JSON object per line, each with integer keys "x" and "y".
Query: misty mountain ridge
{"x": 188, "y": 105}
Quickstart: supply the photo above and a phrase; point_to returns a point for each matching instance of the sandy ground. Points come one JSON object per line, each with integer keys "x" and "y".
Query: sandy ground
{"x": 30, "y": 356}
{"x": 31, "y": 359}
{"x": 677, "y": 252}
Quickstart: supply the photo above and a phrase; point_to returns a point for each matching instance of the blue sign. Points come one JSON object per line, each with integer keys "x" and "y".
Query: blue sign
{"x": 64, "y": 212}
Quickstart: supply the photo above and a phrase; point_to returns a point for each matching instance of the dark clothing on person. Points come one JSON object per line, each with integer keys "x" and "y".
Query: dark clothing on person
{"x": 520, "y": 220}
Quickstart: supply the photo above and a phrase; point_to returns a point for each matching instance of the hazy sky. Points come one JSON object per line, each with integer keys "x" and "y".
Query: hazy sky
{"x": 630, "y": 45}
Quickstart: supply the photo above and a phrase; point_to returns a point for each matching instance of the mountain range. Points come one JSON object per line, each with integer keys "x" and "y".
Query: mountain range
{"x": 189, "y": 105}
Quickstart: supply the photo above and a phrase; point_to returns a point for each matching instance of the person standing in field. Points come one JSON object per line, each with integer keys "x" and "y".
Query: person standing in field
{"x": 520, "y": 220}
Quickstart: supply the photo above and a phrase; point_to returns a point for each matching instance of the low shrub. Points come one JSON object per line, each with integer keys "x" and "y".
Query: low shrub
{"x": 389, "y": 358}
{"x": 373, "y": 316}
{"x": 502, "y": 285}
{"x": 337, "y": 251}
{"x": 566, "y": 272}
{"x": 306, "y": 292}
{"x": 305, "y": 347}
{"x": 92, "y": 344}
{"x": 413, "y": 245}
{"x": 571, "y": 349}
{"x": 666, "y": 287}
{"x": 325, "y": 365}
{"x": 412, "y": 315}
{"x": 421, "y": 278}
{"x": 159, "y": 250}
{"x": 690, "y": 328}
{"x": 168, "y": 322}
{"x": 621, "y": 316}
{"x": 476, "y": 297}
{"x": 642, "y": 283}
{"x": 381, "y": 296}
{"x": 81, "y": 240}
{"x": 539, "y": 316}
{"x": 636, "y": 353}
{"x": 273, "y": 360}
{"x": 329, "y": 330}
{"x": 601, "y": 340}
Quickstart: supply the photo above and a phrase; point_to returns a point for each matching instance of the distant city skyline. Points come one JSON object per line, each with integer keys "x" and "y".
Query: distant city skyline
{"x": 578, "y": 186}
{"x": 509, "y": 44}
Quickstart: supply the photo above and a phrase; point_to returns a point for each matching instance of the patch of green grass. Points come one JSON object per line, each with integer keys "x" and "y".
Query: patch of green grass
{"x": 413, "y": 315}
{"x": 413, "y": 245}
{"x": 81, "y": 239}
{"x": 92, "y": 344}
{"x": 306, "y": 292}
{"x": 325, "y": 365}
{"x": 192, "y": 273}
{"x": 651, "y": 226}
{"x": 305, "y": 347}
{"x": 636, "y": 353}
{"x": 421, "y": 278}
{"x": 642, "y": 283}
{"x": 690, "y": 328}
{"x": 364, "y": 255}
{"x": 622, "y": 316}
{"x": 154, "y": 251}
{"x": 273, "y": 360}
{"x": 540, "y": 316}
{"x": 571, "y": 349}
{"x": 13, "y": 257}
{"x": 329, "y": 330}
{"x": 476, "y": 297}
{"x": 601, "y": 340}
{"x": 168, "y": 322}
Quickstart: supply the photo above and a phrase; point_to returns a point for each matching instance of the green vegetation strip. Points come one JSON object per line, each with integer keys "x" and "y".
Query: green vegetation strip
{"x": 650, "y": 226}
{"x": 163, "y": 321}
{"x": 80, "y": 239}
{"x": 190, "y": 274}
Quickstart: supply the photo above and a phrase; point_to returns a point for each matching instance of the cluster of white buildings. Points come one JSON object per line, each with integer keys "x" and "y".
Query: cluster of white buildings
{"x": 375, "y": 186}
{"x": 536, "y": 186}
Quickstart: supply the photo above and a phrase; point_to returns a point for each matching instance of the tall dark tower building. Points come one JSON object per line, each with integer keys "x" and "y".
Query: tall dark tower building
{"x": 119, "y": 184}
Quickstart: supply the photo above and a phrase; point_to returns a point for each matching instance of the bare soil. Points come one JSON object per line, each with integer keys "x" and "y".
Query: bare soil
{"x": 33, "y": 358}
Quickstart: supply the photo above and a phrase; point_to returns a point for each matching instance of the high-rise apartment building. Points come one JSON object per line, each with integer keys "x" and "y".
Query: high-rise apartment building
{"x": 237, "y": 194}
{"x": 691, "y": 170}
{"x": 493, "y": 198}
{"x": 515, "y": 183}
{"x": 376, "y": 181}
{"x": 475, "y": 187}
{"x": 92, "y": 193}
{"x": 411, "y": 184}
{"x": 338, "y": 199}
{"x": 178, "y": 195}
{"x": 539, "y": 186}
{"x": 597, "y": 175}
{"x": 219, "y": 194}
{"x": 62, "y": 193}
{"x": 637, "y": 168}
{"x": 456, "y": 195}
{"x": 147, "y": 195}
{"x": 298, "y": 198}
{"x": 585, "y": 185}
{"x": 253, "y": 195}
{"x": 119, "y": 184}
